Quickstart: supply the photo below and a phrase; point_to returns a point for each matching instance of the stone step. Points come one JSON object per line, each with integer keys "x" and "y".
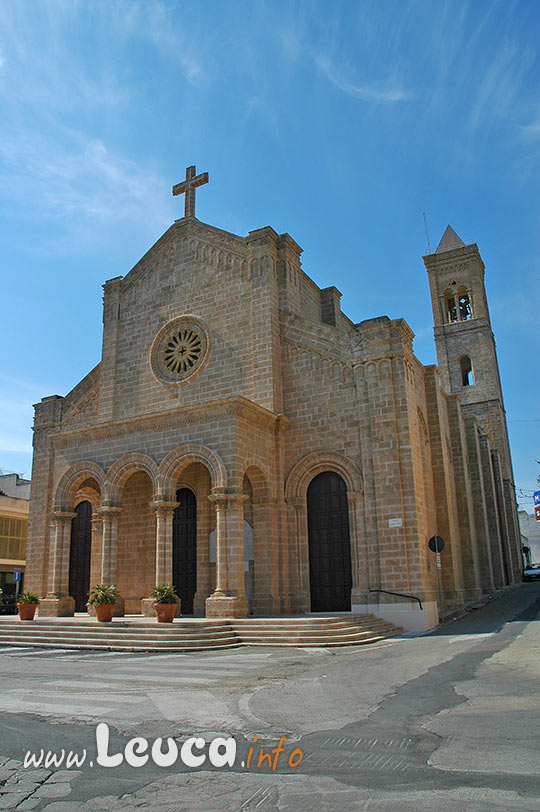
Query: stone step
{"x": 125, "y": 635}
{"x": 97, "y": 632}
{"x": 118, "y": 645}
{"x": 158, "y": 636}
{"x": 254, "y": 626}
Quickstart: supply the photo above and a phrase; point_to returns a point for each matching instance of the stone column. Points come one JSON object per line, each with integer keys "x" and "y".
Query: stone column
{"x": 58, "y": 602}
{"x": 220, "y": 505}
{"x": 109, "y": 552}
{"x": 235, "y": 545}
{"x": 164, "y": 540}
{"x": 229, "y": 599}
{"x": 97, "y": 547}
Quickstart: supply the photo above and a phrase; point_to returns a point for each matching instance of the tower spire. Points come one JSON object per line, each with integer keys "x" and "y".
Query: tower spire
{"x": 449, "y": 241}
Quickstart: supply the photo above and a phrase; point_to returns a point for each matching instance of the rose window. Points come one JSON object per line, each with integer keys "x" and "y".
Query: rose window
{"x": 179, "y": 350}
{"x": 183, "y": 351}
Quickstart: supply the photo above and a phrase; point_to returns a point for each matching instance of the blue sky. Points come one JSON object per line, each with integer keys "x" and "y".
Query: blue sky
{"x": 338, "y": 122}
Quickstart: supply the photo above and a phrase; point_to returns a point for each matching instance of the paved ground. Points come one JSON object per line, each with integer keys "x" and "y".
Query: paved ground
{"x": 446, "y": 721}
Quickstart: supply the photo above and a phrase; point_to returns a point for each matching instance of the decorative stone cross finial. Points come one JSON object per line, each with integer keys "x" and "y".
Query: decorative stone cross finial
{"x": 188, "y": 187}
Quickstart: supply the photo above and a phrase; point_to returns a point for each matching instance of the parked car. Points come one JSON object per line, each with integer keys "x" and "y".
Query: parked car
{"x": 531, "y": 573}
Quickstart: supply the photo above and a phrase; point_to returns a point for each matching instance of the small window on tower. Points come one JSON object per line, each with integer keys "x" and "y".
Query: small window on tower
{"x": 467, "y": 377}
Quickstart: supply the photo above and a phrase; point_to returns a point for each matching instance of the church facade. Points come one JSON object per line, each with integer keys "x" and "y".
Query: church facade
{"x": 244, "y": 440}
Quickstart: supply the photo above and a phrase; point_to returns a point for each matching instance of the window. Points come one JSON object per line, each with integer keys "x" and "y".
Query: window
{"x": 467, "y": 377}
{"x": 13, "y": 538}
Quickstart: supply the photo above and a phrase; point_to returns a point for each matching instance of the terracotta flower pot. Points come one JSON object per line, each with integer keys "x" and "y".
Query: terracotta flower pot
{"x": 27, "y": 610}
{"x": 104, "y": 612}
{"x": 165, "y": 612}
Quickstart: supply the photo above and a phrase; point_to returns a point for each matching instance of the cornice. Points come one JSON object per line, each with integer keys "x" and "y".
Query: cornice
{"x": 184, "y": 415}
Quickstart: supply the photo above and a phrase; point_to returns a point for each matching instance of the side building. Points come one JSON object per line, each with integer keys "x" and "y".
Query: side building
{"x": 14, "y": 504}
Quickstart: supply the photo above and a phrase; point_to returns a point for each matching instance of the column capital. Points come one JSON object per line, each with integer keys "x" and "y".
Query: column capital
{"x": 110, "y": 511}
{"x": 219, "y": 501}
{"x": 223, "y": 500}
{"x": 60, "y": 515}
{"x": 236, "y": 496}
{"x": 163, "y": 506}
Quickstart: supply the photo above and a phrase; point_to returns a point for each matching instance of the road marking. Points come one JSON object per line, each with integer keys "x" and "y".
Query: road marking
{"x": 466, "y": 637}
{"x": 165, "y": 678}
{"x": 40, "y": 653}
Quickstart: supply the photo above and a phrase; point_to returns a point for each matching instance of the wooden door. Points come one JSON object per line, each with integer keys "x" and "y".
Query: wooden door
{"x": 330, "y": 570}
{"x": 79, "y": 555}
{"x": 185, "y": 548}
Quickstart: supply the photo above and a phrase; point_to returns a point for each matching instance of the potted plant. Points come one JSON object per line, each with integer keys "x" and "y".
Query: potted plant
{"x": 165, "y": 602}
{"x": 27, "y": 605}
{"x": 104, "y": 598}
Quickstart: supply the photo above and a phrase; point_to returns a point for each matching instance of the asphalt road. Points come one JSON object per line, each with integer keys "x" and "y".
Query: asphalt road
{"x": 445, "y": 721}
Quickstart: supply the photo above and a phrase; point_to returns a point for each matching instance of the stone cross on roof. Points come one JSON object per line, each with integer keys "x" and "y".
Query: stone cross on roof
{"x": 188, "y": 186}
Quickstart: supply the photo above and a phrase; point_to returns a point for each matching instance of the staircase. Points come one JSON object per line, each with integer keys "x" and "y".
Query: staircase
{"x": 194, "y": 635}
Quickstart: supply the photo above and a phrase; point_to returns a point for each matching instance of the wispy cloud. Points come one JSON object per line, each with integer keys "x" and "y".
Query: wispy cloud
{"x": 78, "y": 181}
{"x": 530, "y": 131}
{"x": 48, "y": 68}
{"x": 374, "y": 91}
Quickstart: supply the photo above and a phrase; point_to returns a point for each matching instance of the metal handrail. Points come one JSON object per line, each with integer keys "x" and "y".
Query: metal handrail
{"x": 398, "y": 594}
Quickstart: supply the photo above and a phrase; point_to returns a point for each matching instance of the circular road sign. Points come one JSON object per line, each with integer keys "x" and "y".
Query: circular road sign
{"x": 436, "y": 544}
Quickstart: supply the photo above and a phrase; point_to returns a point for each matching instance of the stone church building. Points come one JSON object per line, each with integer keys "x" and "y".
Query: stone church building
{"x": 244, "y": 440}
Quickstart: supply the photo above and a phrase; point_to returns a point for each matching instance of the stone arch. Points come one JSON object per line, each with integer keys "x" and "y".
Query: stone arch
{"x": 183, "y": 456}
{"x": 122, "y": 469}
{"x": 75, "y": 475}
{"x": 316, "y": 463}
{"x": 258, "y": 478}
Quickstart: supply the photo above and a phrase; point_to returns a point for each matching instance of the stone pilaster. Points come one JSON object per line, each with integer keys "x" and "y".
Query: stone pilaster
{"x": 164, "y": 541}
{"x": 229, "y": 598}
{"x": 109, "y": 554}
{"x": 301, "y": 596}
{"x": 58, "y": 602}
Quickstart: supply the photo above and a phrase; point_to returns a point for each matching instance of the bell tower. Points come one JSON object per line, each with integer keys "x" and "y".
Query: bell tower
{"x": 466, "y": 353}
{"x": 467, "y": 360}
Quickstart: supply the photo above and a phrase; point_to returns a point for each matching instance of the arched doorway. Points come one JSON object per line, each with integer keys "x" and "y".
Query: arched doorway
{"x": 79, "y": 555}
{"x": 330, "y": 570}
{"x": 185, "y": 548}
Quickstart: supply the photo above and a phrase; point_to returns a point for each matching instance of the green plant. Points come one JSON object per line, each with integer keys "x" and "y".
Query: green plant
{"x": 28, "y": 597}
{"x": 164, "y": 593}
{"x": 103, "y": 594}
